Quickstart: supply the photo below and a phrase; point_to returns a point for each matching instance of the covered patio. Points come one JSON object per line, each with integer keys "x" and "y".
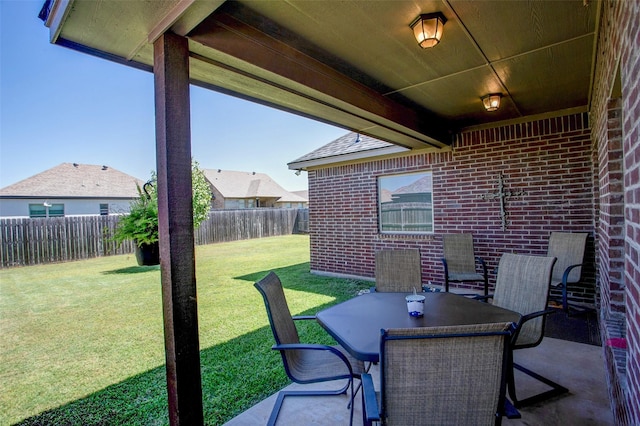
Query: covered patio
{"x": 358, "y": 65}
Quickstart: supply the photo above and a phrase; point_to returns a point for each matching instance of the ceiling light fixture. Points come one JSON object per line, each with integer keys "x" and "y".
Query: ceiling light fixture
{"x": 427, "y": 28}
{"x": 491, "y": 102}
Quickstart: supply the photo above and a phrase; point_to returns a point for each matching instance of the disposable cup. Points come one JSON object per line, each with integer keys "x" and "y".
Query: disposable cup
{"x": 415, "y": 305}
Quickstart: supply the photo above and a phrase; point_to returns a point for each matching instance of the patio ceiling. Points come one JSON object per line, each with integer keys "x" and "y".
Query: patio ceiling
{"x": 356, "y": 64}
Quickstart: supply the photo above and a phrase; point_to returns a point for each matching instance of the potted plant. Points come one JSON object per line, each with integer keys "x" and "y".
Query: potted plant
{"x": 141, "y": 224}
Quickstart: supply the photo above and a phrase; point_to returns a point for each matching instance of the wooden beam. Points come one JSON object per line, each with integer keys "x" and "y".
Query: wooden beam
{"x": 175, "y": 221}
{"x": 225, "y": 33}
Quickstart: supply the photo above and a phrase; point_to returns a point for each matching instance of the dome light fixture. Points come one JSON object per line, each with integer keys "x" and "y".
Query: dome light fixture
{"x": 427, "y": 29}
{"x": 491, "y": 102}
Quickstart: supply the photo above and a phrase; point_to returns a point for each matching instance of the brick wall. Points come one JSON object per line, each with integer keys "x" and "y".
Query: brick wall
{"x": 611, "y": 216}
{"x": 548, "y": 159}
{"x": 629, "y": 21}
{"x": 616, "y": 132}
{"x": 218, "y": 198}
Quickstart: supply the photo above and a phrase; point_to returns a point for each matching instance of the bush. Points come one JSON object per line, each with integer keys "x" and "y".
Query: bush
{"x": 141, "y": 224}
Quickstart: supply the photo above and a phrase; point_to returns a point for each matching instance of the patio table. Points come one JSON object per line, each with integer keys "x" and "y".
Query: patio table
{"x": 356, "y": 323}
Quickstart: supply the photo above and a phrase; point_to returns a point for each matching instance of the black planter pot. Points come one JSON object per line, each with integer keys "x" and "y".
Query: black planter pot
{"x": 148, "y": 254}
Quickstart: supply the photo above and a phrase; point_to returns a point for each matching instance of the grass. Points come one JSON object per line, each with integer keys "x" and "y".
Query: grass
{"x": 82, "y": 342}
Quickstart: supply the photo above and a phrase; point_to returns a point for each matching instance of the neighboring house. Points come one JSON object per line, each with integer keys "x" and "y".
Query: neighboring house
{"x": 247, "y": 190}
{"x": 70, "y": 189}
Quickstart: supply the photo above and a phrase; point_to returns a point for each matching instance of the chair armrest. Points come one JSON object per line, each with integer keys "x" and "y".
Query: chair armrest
{"x": 370, "y": 408}
{"x": 524, "y": 319}
{"x": 446, "y": 274}
{"x": 310, "y": 347}
{"x": 446, "y": 267}
{"x": 482, "y": 298}
{"x": 533, "y": 315}
{"x": 482, "y": 263}
{"x": 316, "y": 347}
{"x": 304, "y": 317}
{"x": 485, "y": 274}
{"x": 565, "y": 275}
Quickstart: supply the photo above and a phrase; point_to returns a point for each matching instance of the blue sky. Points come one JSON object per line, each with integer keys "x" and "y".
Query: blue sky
{"x": 58, "y": 105}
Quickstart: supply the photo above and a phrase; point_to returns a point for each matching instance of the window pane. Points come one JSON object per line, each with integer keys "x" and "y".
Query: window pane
{"x": 50, "y": 210}
{"x": 56, "y": 210}
{"x": 104, "y": 209}
{"x": 37, "y": 210}
{"x": 406, "y": 203}
{"x": 233, "y": 204}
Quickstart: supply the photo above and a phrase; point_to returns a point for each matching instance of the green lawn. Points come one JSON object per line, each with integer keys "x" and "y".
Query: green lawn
{"x": 82, "y": 342}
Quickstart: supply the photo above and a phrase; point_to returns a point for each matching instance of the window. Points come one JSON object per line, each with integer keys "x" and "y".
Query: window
{"x": 239, "y": 203}
{"x": 37, "y": 210}
{"x": 406, "y": 203}
{"x": 104, "y": 209}
{"x": 46, "y": 210}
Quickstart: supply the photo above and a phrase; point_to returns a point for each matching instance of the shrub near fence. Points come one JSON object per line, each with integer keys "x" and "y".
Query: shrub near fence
{"x": 38, "y": 241}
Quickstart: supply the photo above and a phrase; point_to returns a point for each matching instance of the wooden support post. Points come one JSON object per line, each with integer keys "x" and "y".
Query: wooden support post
{"x": 175, "y": 221}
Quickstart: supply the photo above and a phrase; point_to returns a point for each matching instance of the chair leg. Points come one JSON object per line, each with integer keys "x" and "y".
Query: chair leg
{"x": 486, "y": 282}
{"x": 556, "y": 389}
{"x": 572, "y": 310}
{"x": 366, "y": 370}
{"x": 276, "y": 408}
{"x": 283, "y": 394}
{"x": 510, "y": 411}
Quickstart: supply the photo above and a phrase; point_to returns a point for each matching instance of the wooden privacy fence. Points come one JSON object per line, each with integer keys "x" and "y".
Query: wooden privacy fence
{"x": 40, "y": 241}
{"x": 233, "y": 225}
{"x": 407, "y": 217}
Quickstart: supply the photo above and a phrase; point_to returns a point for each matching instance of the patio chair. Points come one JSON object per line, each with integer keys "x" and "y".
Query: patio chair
{"x": 569, "y": 249}
{"x": 304, "y": 363}
{"x": 460, "y": 261}
{"x": 398, "y": 270}
{"x": 522, "y": 285}
{"x": 440, "y": 375}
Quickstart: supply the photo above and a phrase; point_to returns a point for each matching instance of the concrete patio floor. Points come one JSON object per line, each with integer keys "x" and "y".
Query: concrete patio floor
{"x": 577, "y": 366}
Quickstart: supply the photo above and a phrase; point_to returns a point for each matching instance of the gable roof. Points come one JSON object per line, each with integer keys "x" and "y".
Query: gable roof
{"x": 303, "y": 193}
{"x": 352, "y": 146}
{"x": 290, "y": 197}
{"x": 73, "y": 180}
{"x": 235, "y": 184}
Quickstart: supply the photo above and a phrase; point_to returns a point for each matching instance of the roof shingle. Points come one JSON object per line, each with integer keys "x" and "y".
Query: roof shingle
{"x": 347, "y": 144}
{"x": 69, "y": 180}
{"x": 234, "y": 184}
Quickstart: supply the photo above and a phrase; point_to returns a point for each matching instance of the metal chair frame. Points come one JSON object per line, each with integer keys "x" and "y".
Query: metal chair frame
{"x": 569, "y": 248}
{"x": 290, "y": 348}
{"x": 462, "y": 270}
{"x": 373, "y": 409}
{"x": 532, "y": 323}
